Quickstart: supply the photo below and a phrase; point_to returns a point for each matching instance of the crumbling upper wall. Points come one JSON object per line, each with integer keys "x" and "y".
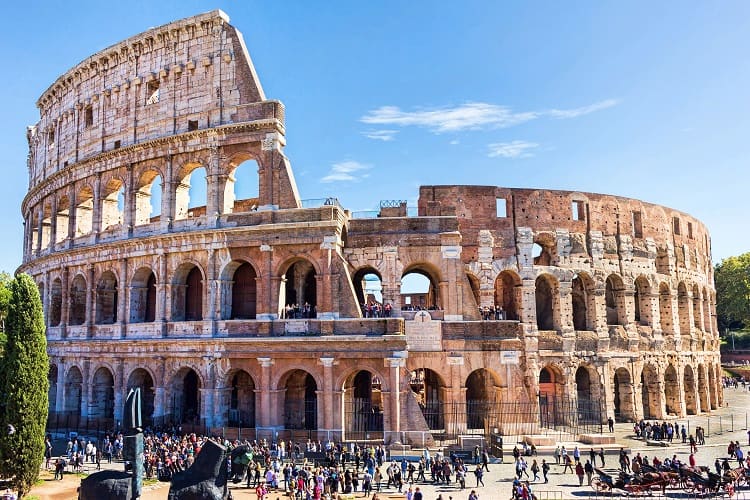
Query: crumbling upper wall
{"x": 187, "y": 75}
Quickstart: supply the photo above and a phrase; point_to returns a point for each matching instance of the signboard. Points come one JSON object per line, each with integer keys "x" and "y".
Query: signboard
{"x": 296, "y": 326}
{"x": 423, "y": 334}
{"x": 509, "y": 358}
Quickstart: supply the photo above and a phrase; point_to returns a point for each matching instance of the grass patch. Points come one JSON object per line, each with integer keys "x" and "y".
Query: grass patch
{"x": 150, "y": 482}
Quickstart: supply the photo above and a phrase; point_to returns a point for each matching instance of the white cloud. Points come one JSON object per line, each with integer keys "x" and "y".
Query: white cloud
{"x": 454, "y": 142}
{"x": 514, "y": 149}
{"x": 381, "y": 135}
{"x": 471, "y": 116}
{"x": 344, "y": 172}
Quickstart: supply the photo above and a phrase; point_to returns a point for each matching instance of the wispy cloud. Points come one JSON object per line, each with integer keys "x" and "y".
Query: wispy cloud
{"x": 471, "y": 116}
{"x": 454, "y": 142}
{"x": 347, "y": 171}
{"x": 381, "y": 135}
{"x": 514, "y": 149}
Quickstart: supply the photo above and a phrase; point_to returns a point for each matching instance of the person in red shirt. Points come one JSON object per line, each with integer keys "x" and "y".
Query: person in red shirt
{"x": 691, "y": 460}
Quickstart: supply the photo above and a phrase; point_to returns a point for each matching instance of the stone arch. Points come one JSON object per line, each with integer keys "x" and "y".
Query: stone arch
{"x": 588, "y": 395}
{"x": 73, "y": 391}
{"x": 55, "y": 302}
{"x": 691, "y": 405}
{"x": 237, "y": 184}
{"x": 300, "y": 400}
{"x": 703, "y": 395}
{"x": 544, "y": 249}
{"x": 650, "y": 392}
{"x": 185, "y": 388}
{"x": 113, "y": 203}
{"x": 62, "y": 218}
{"x": 143, "y": 379}
{"x": 77, "y": 297}
{"x": 642, "y": 301}
{"x": 482, "y": 394}
{"x": 241, "y": 404}
{"x": 188, "y": 195}
{"x": 697, "y": 308}
{"x": 46, "y": 224}
{"x": 187, "y": 293}
{"x": 547, "y": 292}
{"x": 241, "y": 301}
{"x": 102, "y": 402}
{"x": 508, "y": 293}
{"x": 665, "y": 309}
{"x": 583, "y": 302}
{"x": 683, "y": 308}
{"x": 84, "y": 216}
{"x": 363, "y": 405}
{"x": 614, "y": 298}
{"x": 363, "y": 281}
{"x": 431, "y": 299}
{"x": 299, "y": 288}
{"x": 429, "y": 388}
{"x": 143, "y": 296}
{"x": 551, "y": 392}
{"x": 623, "y": 392}
{"x": 52, "y": 375}
{"x": 672, "y": 400}
{"x": 106, "y": 299}
{"x": 475, "y": 287}
{"x": 148, "y": 195}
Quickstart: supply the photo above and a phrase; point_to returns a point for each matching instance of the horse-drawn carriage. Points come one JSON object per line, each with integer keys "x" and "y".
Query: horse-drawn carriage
{"x": 634, "y": 484}
{"x": 703, "y": 482}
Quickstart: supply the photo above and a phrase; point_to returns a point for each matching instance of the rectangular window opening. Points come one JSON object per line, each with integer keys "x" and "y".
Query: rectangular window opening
{"x": 637, "y": 224}
{"x": 501, "y": 207}
{"x": 578, "y": 210}
{"x": 690, "y": 230}
{"x": 676, "y": 225}
{"x": 88, "y": 117}
{"x": 117, "y": 144}
{"x": 152, "y": 92}
{"x": 192, "y": 125}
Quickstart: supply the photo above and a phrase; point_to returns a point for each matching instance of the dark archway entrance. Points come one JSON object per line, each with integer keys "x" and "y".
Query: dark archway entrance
{"x": 242, "y": 400}
{"x": 427, "y": 387}
{"x": 186, "y": 400}
{"x": 244, "y": 292}
{"x": 300, "y": 401}
{"x": 480, "y": 400}
{"x": 363, "y": 406}
{"x": 623, "y": 392}
{"x": 140, "y": 378}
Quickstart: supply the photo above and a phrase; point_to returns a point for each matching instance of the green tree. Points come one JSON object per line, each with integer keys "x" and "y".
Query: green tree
{"x": 23, "y": 386}
{"x": 732, "y": 278}
{"x": 5, "y": 280}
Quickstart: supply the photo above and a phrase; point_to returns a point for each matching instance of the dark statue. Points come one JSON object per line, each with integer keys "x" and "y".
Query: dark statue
{"x": 206, "y": 479}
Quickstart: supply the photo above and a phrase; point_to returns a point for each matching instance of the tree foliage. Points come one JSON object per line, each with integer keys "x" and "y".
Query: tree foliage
{"x": 732, "y": 278}
{"x": 24, "y": 386}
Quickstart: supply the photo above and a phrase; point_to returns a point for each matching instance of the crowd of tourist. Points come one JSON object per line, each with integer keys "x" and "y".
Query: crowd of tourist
{"x": 297, "y": 311}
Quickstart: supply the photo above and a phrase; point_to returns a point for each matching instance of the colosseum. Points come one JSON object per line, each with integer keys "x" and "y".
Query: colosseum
{"x": 544, "y": 311}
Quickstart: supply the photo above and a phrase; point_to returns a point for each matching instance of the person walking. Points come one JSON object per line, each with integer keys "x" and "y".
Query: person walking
{"x": 589, "y": 470}
{"x": 545, "y": 470}
{"x": 473, "y": 495}
{"x": 535, "y": 470}
{"x": 601, "y": 455}
{"x": 557, "y": 455}
{"x": 579, "y": 473}
{"x": 568, "y": 464}
{"x": 479, "y": 472}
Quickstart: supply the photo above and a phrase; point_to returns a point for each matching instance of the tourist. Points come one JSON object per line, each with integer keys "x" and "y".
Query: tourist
{"x": 545, "y": 470}
{"x": 473, "y": 495}
{"x": 589, "y": 469}
{"x": 535, "y": 470}
{"x": 579, "y": 473}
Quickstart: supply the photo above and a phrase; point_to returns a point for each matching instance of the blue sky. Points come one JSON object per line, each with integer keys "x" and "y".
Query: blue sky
{"x": 640, "y": 99}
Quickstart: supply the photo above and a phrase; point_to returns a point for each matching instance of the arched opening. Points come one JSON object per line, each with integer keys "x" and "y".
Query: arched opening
{"x": 241, "y": 400}
{"x": 299, "y": 297}
{"x": 697, "y": 307}
{"x": 703, "y": 388}
{"x": 244, "y": 292}
{"x": 614, "y": 296}
{"x": 683, "y": 308}
{"x": 480, "y": 400}
{"x": 588, "y": 405}
{"x": 368, "y": 285}
{"x": 545, "y": 292}
{"x": 542, "y": 252}
{"x": 300, "y": 400}
{"x": 52, "y": 391}
{"x": 241, "y": 187}
{"x": 508, "y": 294}
{"x": 581, "y": 297}
{"x": 641, "y": 301}
{"x": 419, "y": 290}
{"x": 148, "y": 198}
{"x": 73, "y": 388}
{"x": 665, "y": 309}
{"x": 427, "y": 387}
{"x": 623, "y": 392}
{"x": 47, "y": 226}
{"x": 671, "y": 391}
{"x": 143, "y": 296}
{"x": 363, "y": 406}
{"x": 55, "y": 302}
{"x": 186, "y": 398}
{"x": 84, "y": 216}
{"x": 551, "y": 392}
{"x": 106, "y": 299}
{"x": 474, "y": 286}
{"x": 190, "y": 193}
{"x": 187, "y": 294}
{"x": 113, "y": 204}
{"x": 102, "y": 402}
{"x": 77, "y": 312}
{"x": 650, "y": 392}
{"x": 689, "y": 385}
{"x": 63, "y": 219}
{"x": 140, "y": 378}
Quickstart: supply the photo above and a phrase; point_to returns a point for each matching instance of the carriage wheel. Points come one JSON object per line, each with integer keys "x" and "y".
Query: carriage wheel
{"x": 599, "y": 485}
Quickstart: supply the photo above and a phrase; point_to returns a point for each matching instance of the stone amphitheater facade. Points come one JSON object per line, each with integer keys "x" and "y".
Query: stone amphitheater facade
{"x": 605, "y": 300}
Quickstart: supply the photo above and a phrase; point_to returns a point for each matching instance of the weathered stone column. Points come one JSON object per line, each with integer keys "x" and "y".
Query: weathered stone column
{"x": 53, "y": 223}
{"x": 119, "y": 390}
{"x": 527, "y": 312}
{"x": 163, "y": 311}
{"x": 72, "y": 215}
{"x": 265, "y": 392}
{"x": 122, "y": 297}
{"x": 394, "y": 397}
{"x": 60, "y": 393}
{"x": 85, "y": 388}
{"x": 96, "y": 215}
{"x": 266, "y": 309}
{"x": 65, "y": 300}
{"x": 128, "y": 216}
{"x": 90, "y": 318}
{"x": 455, "y": 395}
{"x": 328, "y": 403}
